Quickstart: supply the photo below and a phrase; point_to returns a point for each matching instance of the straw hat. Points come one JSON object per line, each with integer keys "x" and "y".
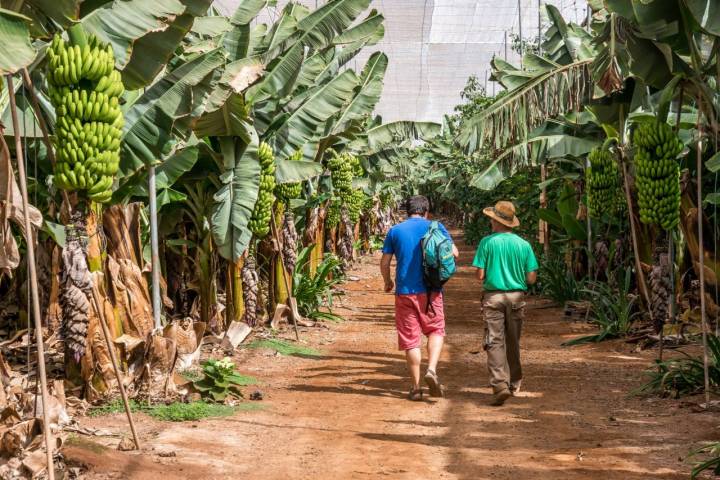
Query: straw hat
{"x": 503, "y": 212}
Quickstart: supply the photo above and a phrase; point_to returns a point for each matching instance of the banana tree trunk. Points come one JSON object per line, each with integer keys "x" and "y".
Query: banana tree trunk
{"x": 281, "y": 277}
{"x": 235, "y": 308}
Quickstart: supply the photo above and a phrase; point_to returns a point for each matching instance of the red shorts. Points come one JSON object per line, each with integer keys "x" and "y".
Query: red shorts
{"x": 411, "y": 319}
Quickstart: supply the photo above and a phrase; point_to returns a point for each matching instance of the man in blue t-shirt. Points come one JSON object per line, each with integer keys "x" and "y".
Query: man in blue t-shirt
{"x": 415, "y": 312}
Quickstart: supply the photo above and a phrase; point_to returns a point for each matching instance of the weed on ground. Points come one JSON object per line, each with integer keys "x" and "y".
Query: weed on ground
{"x": 176, "y": 411}
{"x": 285, "y": 348}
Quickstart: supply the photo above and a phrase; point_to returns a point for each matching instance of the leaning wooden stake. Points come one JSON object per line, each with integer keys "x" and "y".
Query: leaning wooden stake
{"x": 633, "y": 234}
{"x": 113, "y": 360}
{"x": 701, "y": 254}
{"x": 33, "y": 282}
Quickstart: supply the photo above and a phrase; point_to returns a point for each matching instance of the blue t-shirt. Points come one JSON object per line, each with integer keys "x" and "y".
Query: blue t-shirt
{"x": 403, "y": 241}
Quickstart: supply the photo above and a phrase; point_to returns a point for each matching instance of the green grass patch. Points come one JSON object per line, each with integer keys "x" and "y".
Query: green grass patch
{"x": 187, "y": 412}
{"x": 176, "y": 411}
{"x": 285, "y": 348}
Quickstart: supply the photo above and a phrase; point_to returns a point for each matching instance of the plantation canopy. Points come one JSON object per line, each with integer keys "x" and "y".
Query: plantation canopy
{"x": 435, "y": 45}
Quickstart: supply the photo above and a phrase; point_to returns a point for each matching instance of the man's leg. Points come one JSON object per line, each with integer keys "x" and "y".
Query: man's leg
{"x": 434, "y": 347}
{"x": 433, "y": 325}
{"x": 408, "y": 330}
{"x": 494, "y": 313}
{"x": 413, "y": 358}
{"x": 513, "y": 330}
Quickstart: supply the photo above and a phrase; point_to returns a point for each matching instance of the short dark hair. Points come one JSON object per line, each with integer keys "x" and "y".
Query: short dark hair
{"x": 418, "y": 205}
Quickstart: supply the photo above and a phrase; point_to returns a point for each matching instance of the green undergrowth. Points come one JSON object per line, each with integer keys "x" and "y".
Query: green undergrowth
{"x": 285, "y": 348}
{"x": 176, "y": 411}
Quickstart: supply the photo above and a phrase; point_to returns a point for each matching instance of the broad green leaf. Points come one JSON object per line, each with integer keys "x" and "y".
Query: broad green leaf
{"x": 370, "y": 28}
{"x": 551, "y": 217}
{"x": 368, "y": 92}
{"x": 17, "y": 51}
{"x": 574, "y": 228}
{"x": 316, "y": 30}
{"x": 713, "y": 198}
{"x": 232, "y": 119}
{"x": 235, "y": 200}
{"x": 246, "y": 11}
{"x": 238, "y": 39}
{"x": 143, "y": 34}
{"x": 487, "y": 179}
{"x": 397, "y": 132}
{"x": 287, "y": 171}
{"x": 56, "y": 231}
{"x": 64, "y": 12}
{"x": 303, "y": 124}
{"x": 713, "y": 164}
{"x": 211, "y": 26}
{"x": 163, "y": 113}
{"x": 706, "y": 13}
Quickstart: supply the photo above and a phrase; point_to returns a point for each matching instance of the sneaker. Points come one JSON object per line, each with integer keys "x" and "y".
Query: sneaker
{"x": 500, "y": 397}
{"x": 515, "y": 388}
{"x": 433, "y": 382}
{"x": 415, "y": 395}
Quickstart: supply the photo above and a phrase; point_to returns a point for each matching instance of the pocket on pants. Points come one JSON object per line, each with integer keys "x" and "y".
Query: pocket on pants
{"x": 518, "y": 309}
{"x": 486, "y": 339}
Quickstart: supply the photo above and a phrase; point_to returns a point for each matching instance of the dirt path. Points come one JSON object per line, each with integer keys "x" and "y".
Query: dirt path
{"x": 343, "y": 414}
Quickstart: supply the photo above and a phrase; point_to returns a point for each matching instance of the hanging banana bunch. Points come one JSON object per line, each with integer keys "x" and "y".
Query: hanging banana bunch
{"x": 603, "y": 185}
{"x": 657, "y": 174}
{"x": 287, "y": 191}
{"x": 332, "y": 218}
{"x": 342, "y": 169}
{"x": 259, "y": 223}
{"x": 660, "y": 288}
{"x": 85, "y": 88}
{"x": 289, "y": 242}
{"x": 250, "y": 290}
{"x": 355, "y": 205}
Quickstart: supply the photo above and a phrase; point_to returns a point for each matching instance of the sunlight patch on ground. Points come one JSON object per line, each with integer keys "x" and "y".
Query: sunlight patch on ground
{"x": 566, "y": 413}
{"x": 625, "y": 357}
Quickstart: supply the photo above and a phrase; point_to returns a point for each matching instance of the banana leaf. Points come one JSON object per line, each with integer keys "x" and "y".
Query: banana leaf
{"x": 368, "y": 92}
{"x": 143, "y": 34}
{"x": 235, "y": 200}
{"x": 161, "y": 116}
{"x": 303, "y": 124}
{"x": 315, "y": 31}
{"x": 17, "y": 51}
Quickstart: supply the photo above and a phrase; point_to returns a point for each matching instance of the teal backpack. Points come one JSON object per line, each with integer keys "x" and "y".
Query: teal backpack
{"x": 438, "y": 259}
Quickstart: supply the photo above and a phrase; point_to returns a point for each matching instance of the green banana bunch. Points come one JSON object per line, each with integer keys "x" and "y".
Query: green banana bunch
{"x": 355, "y": 205}
{"x": 602, "y": 180}
{"x": 657, "y": 173}
{"x": 332, "y": 218}
{"x": 259, "y": 223}
{"x": 341, "y": 170}
{"x": 85, "y": 88}
{"x": 287, "y": 191}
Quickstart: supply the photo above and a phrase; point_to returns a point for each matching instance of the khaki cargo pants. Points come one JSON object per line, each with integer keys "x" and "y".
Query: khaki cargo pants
{"x": 503, "y": 313}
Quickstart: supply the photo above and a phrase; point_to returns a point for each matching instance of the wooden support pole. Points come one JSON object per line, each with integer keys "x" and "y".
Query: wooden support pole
{"x": 701, "y": 255}
{"x": 33, "y": 282}
{"x": 111, "y": 352}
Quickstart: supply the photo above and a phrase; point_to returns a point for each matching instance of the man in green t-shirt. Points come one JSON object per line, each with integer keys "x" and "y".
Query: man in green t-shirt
{"x": 506, "y": 265}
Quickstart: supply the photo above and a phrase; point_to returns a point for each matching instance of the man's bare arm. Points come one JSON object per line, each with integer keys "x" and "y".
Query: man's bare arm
{"x": 480, "y": 274}
{"x": 531, "y": 277}
{"x": 385, "y": 271}
{"x": 456, "y": 254}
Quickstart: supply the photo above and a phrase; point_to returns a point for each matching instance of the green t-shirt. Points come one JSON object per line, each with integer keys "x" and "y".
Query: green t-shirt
{"x": 506, "y": 259}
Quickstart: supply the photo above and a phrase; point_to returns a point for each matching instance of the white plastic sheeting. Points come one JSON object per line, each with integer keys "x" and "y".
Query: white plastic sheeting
{"x": 435, "y": 45}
